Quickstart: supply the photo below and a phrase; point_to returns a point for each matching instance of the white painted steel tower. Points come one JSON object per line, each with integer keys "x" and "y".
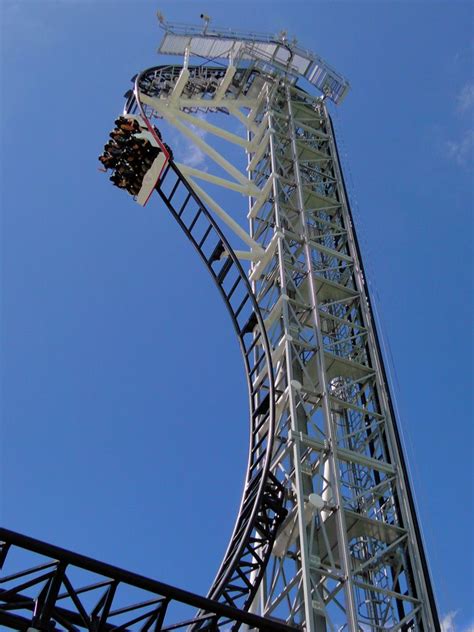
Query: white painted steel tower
{"x": 347, "y": 554}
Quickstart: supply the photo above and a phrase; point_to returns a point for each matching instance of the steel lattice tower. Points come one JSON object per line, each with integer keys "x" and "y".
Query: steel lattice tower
{"x": 327, "y": 537}
{"x": 349, "y": 553}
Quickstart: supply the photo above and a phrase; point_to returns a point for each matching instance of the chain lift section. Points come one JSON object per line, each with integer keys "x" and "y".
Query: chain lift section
{"x": 349, "y": 554}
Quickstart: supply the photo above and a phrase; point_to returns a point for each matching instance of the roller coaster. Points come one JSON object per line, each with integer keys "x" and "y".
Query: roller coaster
{"x": 326, "y": 536}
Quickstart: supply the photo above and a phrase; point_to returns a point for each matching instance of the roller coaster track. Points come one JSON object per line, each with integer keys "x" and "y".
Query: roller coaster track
{"x": 261, "y": 509}
{"x": 262, "y": 506}
{"x": 69, "y": 591}
{"x": 52, "y": 593}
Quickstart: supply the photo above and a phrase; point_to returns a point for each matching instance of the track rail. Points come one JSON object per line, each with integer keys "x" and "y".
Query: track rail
{"x": 262, "y": 506}
{"x": 68, "y": 591}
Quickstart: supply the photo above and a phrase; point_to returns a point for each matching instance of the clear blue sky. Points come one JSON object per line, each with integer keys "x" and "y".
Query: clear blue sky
{"x": 124, "y": 412}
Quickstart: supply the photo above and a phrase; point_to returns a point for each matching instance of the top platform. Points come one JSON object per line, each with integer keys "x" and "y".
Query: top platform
{"x": 275, "y": 51}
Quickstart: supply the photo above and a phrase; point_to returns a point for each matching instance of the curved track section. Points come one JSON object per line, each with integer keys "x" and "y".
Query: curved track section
{"x": 261, "y": 510}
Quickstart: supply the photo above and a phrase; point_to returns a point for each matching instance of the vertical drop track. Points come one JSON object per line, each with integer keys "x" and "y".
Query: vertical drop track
{"x": 262, "y": 506}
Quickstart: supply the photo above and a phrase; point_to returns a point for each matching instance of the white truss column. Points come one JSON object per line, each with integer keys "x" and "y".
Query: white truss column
{"x": 302, "y": 487}
{"x": 331, "y": 454}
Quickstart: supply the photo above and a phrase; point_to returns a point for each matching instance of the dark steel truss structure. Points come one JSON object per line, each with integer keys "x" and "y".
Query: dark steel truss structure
{"x": 46, "y": 588}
